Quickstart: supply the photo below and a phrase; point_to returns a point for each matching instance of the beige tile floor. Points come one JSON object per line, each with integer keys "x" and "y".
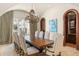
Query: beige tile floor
{"x": 67, "y": 51}
{"x": 7, "y": 50}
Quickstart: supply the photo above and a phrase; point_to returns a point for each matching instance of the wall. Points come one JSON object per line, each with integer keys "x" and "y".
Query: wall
{"x": 19, "y": 14}
{"x": 24, "y": 7}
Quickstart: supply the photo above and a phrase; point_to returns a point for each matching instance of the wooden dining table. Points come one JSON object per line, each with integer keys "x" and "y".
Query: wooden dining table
{"x": 40, "y": 44}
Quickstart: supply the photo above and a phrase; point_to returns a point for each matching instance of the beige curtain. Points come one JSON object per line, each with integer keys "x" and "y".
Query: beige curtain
{"x": 6, "y": 28}
{"x": 0, "y": 30}
{"x": 33, "y": 28}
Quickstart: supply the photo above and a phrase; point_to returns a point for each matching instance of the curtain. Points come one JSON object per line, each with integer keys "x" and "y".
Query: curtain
{"x": 6, "y": 21}
{"x": 0, "y": 30}
{"x": 33, "y": 28}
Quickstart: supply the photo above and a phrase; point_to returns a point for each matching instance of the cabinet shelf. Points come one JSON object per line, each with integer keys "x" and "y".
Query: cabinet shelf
{"x": 71, "y": 34}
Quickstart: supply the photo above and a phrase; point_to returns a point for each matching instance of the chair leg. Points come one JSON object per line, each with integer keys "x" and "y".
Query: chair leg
{"x": 59, "y": 54}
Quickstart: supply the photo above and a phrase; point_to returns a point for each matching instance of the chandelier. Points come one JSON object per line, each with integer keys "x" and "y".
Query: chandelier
{"x": 32, "y": 16}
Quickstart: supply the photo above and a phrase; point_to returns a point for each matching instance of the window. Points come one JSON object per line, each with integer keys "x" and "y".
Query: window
{"x": 21, "y": 24}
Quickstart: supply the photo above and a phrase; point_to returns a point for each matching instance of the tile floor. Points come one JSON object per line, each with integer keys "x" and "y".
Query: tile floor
{"x": 65, "y": 51}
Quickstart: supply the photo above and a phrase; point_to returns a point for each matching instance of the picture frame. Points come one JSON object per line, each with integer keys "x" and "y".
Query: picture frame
{"x": 53, "y": 25}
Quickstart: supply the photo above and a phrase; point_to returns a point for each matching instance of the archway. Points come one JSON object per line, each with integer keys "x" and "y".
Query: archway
{"x": 9, "y": 22}
{"x": 42, "y": 24}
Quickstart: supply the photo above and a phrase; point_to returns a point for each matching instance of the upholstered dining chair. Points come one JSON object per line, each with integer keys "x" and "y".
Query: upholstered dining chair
{"x": 27, "y": 50}
{"x": 41, "y": 35}
{"x": 57, "y": 46}
{"x": 26, "y": 37}
{"x": 15, "y": 39}
{"x": 36, "y": 34}
{"x": 47, "y": 35}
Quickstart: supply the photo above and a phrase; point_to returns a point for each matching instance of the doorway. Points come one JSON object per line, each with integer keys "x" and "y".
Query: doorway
{"x": 42, "y": 24}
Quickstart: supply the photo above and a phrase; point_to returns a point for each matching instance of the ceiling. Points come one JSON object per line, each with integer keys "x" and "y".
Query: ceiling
{"x": 39, "y": 8}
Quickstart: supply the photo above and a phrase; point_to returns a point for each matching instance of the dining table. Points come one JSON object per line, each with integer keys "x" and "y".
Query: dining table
{"x": 40, "y": 44}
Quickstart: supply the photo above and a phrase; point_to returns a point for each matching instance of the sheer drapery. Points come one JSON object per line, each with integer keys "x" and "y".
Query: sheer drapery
{"x": 6, "y": 27}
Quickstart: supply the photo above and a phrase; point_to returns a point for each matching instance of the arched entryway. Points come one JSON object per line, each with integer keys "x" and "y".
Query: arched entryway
{"x": 42, "y": 24}
{"x": 71, "y": 28}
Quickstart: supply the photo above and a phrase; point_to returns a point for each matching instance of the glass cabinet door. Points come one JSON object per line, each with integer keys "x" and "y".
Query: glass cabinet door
{"x": 71, "y": 23}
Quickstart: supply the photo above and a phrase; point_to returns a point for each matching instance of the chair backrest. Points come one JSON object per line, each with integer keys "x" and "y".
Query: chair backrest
{"x": 22, "y": 42}
{"x": 41, "y": 35}
{"x": 46, "y": 35}
{"x": 58, "y": 41}
{"x": 27, "y": 37}
{"x": 15, "y": 38}
{"x": 36, "y": 34}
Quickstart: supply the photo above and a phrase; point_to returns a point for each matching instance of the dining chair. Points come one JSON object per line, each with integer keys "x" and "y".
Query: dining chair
{"x": 41, "y": 35}
{"x": 36, "y": 34}
{"x": 46, "y": 35}
{"x": 27, "y": 50}
{"x": 25, "y": 36}
{"x": 56, "y": 47}
{"x": 15, "y": 39}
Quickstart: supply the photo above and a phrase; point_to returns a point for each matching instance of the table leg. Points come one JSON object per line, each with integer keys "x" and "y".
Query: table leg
{"x": 41, "y": 50}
